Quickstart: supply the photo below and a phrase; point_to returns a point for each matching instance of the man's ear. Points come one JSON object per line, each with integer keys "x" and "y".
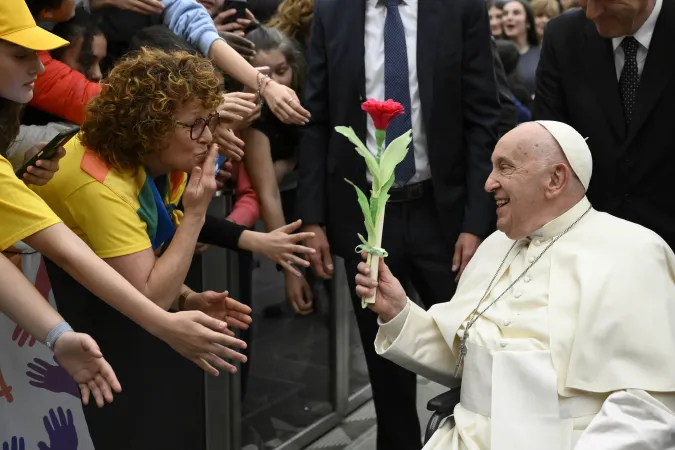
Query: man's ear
{"x": 560, "y": 177}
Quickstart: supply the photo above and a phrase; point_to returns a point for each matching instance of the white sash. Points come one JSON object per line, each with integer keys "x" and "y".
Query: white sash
{"x": 518, "y": 391}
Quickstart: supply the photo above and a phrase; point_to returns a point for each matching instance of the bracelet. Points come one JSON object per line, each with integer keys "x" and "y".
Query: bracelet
{"x": 56, "y": 333}
{"x": 183, "y": 297}
{"x": 261, "y": 81}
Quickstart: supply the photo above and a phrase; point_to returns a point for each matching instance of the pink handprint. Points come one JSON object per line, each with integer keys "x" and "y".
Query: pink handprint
{"x": 20, "y": 336}
{"x": 61, "y": 431}
{"x": 51, "y": 377}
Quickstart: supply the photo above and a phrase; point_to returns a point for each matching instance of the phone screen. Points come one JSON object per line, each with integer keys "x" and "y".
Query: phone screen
{"x": 239, "y": 6}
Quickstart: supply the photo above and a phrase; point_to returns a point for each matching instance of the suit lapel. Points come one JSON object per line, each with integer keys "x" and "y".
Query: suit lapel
{"x": 601, "y": 70}
{"x": 428, "y": 25}
{"x": 353, "y": 20}
{"x": 658, "y": 71}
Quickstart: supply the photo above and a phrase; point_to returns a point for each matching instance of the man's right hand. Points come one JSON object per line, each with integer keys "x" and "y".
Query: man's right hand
{"x": 321, "y": 260}
{"x": 201, "y": 339}
{"x": 390, "y": 297}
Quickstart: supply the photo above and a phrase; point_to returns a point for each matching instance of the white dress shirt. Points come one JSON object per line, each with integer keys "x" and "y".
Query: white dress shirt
{"x": 644, "y": 38}
{"x": 374, "y": 66}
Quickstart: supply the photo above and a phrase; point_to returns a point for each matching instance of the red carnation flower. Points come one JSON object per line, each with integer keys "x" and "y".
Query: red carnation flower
{"x": 382, "y": 112}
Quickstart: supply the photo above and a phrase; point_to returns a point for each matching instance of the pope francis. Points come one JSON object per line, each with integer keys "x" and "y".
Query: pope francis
{"x": 563, "y": 325}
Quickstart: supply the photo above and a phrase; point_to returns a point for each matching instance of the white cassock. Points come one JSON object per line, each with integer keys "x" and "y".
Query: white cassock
{"x": 579, "y": 354}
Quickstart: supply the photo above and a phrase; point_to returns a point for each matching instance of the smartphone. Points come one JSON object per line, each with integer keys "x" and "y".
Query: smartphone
{"x": 49, "y": 151}
{"x": 219, "y": 162}
{"x": 239, "y": 6}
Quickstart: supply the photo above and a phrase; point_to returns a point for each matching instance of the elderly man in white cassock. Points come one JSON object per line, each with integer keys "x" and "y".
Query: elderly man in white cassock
{"x": 562, "y": 328}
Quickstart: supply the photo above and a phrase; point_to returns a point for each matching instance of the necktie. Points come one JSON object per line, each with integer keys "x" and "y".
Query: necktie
{"x": 397, "y": 86}
{"x": 629, "y": 79}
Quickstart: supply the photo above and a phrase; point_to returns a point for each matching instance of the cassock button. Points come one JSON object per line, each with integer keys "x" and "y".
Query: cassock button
{"x": 527, "y": 279}
{"x": 517, "y": 294}
{"x": 530, "y": 259}
{"x": 507, "y": 323}
{"x": 503, "y": 344}
{"x": 537, "y": 242}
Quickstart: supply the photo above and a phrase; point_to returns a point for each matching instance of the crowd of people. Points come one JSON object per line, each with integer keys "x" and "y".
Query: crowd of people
{"x": 532, "y": 122}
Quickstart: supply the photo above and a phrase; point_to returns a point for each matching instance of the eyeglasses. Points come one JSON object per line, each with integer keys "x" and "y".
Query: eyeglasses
{"x": 198, "y": 126}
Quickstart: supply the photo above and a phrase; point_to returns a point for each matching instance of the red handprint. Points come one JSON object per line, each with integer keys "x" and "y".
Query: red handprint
{"x": 20, "y": 336}
{"x": 5, "y": 391}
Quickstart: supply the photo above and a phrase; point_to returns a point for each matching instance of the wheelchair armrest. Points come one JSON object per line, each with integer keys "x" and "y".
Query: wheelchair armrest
{"x": 444, "y": 403}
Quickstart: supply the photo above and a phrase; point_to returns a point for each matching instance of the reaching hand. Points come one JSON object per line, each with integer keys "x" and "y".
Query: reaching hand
{"x": 242, "y": 45}
{"x": 465, "y": 248}
{"x": 44, "y": 169}
{"x": 60, "y": 430}
{"x": 280, "y": 245}
{"x": 219, "y": 306}
{"x": 390, "y": 298}
{"x": 20, "y": 336}
{"x": 299, "y": 294}
{"x": 80, "y": 356}
{"x": 229, "y": 145}
{"x": 321, "y": 259}
{"x": 17, "y": 444}
{"x": 284, "y": 103}
{"x": 191, "y": 333}
{"x": 51, "y": 377}
{"x": 224, "y": 174}
{"x": 202, "y": 185}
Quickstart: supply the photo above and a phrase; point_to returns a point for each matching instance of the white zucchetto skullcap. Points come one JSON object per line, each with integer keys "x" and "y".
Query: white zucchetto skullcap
{"x": 574, "y": 147}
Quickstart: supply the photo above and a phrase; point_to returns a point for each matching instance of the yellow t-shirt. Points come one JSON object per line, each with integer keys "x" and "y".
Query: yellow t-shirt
{"x": 22, "y": 213}
{"x": 103, "y": 215}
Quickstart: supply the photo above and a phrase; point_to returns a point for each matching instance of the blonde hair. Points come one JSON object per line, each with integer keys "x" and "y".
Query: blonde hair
{"x": 293, "y": 18}
{"x": 548, "y": 8}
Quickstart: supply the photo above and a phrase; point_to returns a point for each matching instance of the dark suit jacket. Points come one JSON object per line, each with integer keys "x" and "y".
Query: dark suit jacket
{"x": 577, "y": 84}
{"x": 460, "y": 109}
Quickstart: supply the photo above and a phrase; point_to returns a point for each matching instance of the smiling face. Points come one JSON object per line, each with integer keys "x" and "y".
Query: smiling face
{"x": 20, "y": 68}
{"x": 616, "y": 18}
{"x": 495, "y": 21}
{"x": 529, "y": 173}
{"x": 515, "y": 20}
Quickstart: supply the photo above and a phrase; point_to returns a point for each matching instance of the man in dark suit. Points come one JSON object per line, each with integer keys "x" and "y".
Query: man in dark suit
{"x": 442, "y": 71}
{"x": 609, "y": 73}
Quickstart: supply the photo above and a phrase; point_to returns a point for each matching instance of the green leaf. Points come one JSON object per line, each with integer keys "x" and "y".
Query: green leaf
{"x": 362, "y": 150}
{"x": 394, "y": 154}
{"x": 362, "y": 239}
{"x": 365, "y": 209}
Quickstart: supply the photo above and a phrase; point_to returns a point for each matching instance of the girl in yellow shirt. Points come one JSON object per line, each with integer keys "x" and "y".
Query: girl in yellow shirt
{"x": 25, "y": 217}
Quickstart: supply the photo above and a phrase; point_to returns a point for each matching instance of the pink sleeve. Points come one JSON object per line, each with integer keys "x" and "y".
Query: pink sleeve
{"x": 246, "y": 209}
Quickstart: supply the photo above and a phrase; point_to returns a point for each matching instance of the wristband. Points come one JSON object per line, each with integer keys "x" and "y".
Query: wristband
{"x": 56, "y": 333}
{"x": 183, "y": 297}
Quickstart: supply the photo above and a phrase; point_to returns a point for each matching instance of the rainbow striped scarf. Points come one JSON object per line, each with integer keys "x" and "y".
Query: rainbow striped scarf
{"x": 155, "y": 201}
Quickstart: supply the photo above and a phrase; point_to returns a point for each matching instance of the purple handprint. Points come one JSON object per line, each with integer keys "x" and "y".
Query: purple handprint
{"x": 61, "y": 431}
{"x": 53, "y": 378}
{"x": 17, "y": 444}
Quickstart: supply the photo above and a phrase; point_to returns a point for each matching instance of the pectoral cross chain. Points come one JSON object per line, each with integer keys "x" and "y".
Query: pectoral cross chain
{"x": 462, "y": 352}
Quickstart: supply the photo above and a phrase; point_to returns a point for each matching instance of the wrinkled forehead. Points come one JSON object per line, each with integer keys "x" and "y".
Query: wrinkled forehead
{"x": 514, "y": 149}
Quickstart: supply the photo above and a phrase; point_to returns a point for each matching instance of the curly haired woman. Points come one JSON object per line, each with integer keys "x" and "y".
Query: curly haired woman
{"x": 294, "y": 19}
{"x": 118, "y": 188}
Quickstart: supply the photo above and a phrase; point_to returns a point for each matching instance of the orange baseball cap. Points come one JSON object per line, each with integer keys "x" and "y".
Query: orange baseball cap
{"x": 18, "y": 27}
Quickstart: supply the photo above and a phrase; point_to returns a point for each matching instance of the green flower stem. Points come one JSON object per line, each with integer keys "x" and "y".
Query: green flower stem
{"x": 374, "y": 260}
{"x": 380, "y": 137}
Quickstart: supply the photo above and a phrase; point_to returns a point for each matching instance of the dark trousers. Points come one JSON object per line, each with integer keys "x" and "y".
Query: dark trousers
{"x": 161, "y": 405}
{"x": 419, "y": 256}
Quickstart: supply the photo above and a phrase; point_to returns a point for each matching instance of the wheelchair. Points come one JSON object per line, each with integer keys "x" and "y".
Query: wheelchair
{"x": 442, "y": 407}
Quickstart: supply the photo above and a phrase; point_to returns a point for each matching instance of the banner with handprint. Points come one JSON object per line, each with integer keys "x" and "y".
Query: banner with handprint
{"x": 39, "y": 402}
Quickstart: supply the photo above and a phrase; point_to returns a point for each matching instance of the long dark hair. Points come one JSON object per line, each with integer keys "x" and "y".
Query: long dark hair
{"x": 532, "y": 39}
{"x": 10, "y": 121}
{"x": 82, "y": 25}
